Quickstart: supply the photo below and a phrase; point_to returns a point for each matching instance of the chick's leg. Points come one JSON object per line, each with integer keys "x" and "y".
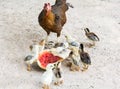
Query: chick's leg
{"x": 72, "y": 68}
{"x": 44, "y": 86}
{"x": 85, "y": 67}
{"x": 61, "y": 82}
{"x": 56, "y": 83}
{"x": 28, "y": 67}
{"x": 48, "y": 87}
{"x": 91, "y": 44}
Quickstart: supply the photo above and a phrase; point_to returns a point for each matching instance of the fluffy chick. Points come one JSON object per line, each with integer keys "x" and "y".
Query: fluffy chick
{"x": 35, "y": 50}
{"x": 58, "y": 78}
{"x": 85, "y": 58}
{"x": 47, "y": 77}
{"x": 91, "y": 36}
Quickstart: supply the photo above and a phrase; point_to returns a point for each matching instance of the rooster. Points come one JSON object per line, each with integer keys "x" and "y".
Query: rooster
{"x": 52, "y": 18}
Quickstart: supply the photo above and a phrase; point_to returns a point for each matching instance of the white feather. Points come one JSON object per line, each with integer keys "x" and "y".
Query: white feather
{"x": 47, "y": 77}
{"x": 61, "y": 52}
{"x": 35, "y": 52}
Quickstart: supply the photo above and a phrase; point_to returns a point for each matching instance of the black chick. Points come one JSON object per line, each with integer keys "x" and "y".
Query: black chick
{"x": 85, "y": 58}
{"x": 58, "y": 74}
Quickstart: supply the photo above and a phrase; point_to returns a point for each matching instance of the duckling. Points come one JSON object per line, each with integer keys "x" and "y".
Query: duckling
{"x": 47, "y": 77}
{"x": 91, "y": 36}
{"x": 85, "y": 58}
{"x": 35, "y": 50}
{"x": 58, "y": 78}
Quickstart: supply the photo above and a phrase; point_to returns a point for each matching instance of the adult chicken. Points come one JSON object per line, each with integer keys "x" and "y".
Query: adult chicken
{"x": 52, "y": 18}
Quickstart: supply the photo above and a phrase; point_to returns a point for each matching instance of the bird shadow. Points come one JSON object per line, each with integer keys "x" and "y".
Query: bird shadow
{"x": 35, "y": 67}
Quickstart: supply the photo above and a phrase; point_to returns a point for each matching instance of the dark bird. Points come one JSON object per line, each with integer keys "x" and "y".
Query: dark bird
{"x": 91, "y": 36}
{"x": 52, "y": 18}
{"x": 57, "y": 71}
{"x": 85, "y": 58}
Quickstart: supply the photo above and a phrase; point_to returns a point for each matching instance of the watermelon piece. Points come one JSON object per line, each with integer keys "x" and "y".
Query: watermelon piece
{"x": 47, "y": 57}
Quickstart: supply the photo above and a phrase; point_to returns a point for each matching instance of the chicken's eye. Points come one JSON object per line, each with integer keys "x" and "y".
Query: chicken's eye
{"x": 49, "y": 4}
{"x": 45, "y": 4}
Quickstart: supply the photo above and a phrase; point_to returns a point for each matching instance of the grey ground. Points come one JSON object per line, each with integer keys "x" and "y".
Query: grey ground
{"x": 19, "y": 27}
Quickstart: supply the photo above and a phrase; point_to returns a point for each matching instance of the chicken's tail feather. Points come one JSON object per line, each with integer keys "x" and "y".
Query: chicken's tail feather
{"x": 70, "y": 5}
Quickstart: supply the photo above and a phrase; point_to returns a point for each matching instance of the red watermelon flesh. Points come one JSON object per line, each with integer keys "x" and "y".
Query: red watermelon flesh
{"x": 46, "y": 58}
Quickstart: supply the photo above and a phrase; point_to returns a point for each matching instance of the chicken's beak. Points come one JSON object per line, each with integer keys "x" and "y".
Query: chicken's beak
{"x": 48, "y": 8}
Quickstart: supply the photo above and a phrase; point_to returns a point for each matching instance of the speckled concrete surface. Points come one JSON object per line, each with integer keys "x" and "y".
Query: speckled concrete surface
{"x": 19, "y": 27}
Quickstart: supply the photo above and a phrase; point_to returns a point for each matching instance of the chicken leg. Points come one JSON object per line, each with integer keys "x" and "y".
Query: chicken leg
{"x": 58, "y": 37}
{"x": 48, "y": 33}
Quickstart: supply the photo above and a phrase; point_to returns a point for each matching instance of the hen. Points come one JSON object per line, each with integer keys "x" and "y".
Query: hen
{"x": 52, "y": 18}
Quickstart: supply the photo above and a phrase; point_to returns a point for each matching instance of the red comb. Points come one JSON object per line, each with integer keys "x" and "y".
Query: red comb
{"x": 45, "y": 4}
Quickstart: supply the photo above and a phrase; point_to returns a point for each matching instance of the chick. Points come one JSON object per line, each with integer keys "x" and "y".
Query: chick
{"x": 74, "y": 57}
{"x": 58, "y": 78}
{"x": 61, "y": 51}
{"x": 47, "y": 77}
{"x": 71, "y": 41}
{"x": 85, "y": 58}
{"x": 91, "y": 36}
{"x": 63, "y": 44}
{"x": 49, "y": 44}
{"x": 35, "y": 50}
